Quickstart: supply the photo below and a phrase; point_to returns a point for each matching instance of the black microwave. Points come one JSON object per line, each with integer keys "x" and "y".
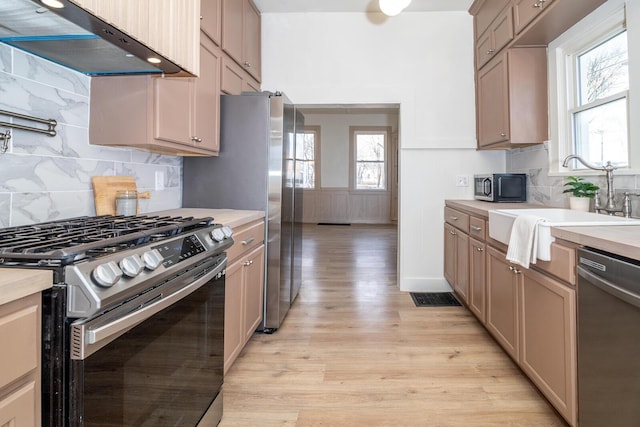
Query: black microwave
{"x": 501, "y": 187}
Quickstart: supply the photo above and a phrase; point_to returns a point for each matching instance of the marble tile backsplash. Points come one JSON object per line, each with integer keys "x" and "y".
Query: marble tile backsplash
{"x": 548, "y": 190}
{"x": 46, "y": 178}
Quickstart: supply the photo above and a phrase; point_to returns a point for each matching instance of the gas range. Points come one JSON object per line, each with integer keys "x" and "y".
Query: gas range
{"x": 105, "y": 260}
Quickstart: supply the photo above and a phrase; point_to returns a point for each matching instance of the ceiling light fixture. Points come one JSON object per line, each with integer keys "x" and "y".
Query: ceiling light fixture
{"x": 56, "y": 4}
{"x": 393, "y": 7}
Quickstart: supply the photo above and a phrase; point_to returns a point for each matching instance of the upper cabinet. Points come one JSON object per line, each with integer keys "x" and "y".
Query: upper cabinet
{"x": 170, "y": 27}
{"x": 211, "y": 19}
{"x": 511, "y": 66}
{"x": 241, "y": 29}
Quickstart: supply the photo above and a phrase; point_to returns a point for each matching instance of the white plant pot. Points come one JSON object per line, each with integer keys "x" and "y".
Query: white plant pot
{"x": 580, "y": 203}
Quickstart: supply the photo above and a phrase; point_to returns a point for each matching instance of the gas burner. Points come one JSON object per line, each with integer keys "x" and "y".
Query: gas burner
{"x": 79, "y": 238}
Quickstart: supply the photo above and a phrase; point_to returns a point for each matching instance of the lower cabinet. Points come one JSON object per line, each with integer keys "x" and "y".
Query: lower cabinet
{"x": 548, "y": 344}
{"x": 456, "y": 268}
{"x": 502, "y": 301}
{"x": 244, "y": 289}
{"x": 20, "y": 361}
{"x": 477, "y": 282}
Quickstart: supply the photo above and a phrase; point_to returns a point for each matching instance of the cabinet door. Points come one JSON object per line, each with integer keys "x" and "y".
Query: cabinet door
{"x": 207, "y": 102}
{"x": 525, "y": 11}
{"x": 502, "y": 302}
{"x": 493, "y": 102}
{"x": 252, "y": 44}
{"x": 450, "y": 254}
{"x": 253, "y": 291}
{"x": 232, "y": 28}
{"x": 173, "y": 109}
{"x": 211, "y": 19}
{"x": 484, "y": 49}
{"x": 477, "y": 258}
{"x": 462, "y": 266}
{"x": 233, "y": 331}
{"x": 17, "y": 409}
{"x": 548, "y": 340}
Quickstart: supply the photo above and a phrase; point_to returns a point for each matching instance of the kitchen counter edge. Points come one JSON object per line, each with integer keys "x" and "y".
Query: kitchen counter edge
{"x": 230, "y": 217}
{"x": 480, "y": 208}
{"x": 16, "y": 283}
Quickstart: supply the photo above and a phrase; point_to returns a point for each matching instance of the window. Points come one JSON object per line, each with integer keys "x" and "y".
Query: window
{"x": 599, "y": 113}
{"x": 369, "y": 153}
{"x": 589, "y": 79}
{"x": 307, "y": 158}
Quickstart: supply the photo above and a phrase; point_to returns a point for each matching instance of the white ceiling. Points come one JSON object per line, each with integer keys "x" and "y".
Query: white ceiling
{"x": 285, "y": 6}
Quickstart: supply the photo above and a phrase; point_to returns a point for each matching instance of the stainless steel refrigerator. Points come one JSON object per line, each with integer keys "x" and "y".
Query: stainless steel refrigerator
{"x": 256, "y": 170}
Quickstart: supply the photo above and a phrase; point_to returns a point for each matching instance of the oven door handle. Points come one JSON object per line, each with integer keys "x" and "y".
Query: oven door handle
{"x": 93, "y": 339}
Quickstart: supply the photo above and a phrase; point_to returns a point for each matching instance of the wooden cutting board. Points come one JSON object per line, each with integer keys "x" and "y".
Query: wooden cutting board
{"x": 104, "y": 192}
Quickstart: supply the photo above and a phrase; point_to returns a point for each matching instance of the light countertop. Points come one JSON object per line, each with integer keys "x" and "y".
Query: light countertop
{"x": 16, "y": 283}
{"x": 621, "y": 240}
{"x": 231, "y": 217}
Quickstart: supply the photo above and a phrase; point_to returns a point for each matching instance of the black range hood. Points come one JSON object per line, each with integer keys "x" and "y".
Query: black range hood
{"x": 74, "y": 38}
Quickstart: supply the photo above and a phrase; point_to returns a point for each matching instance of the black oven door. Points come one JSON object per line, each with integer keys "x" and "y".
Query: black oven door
{"x": 160, "y": 364}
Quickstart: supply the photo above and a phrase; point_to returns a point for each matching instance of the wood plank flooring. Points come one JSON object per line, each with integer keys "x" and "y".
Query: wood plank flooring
{"x": 355, "y": 351}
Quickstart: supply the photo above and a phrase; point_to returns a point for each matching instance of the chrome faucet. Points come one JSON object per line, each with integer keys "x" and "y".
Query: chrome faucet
{"x": 608, "y": 169}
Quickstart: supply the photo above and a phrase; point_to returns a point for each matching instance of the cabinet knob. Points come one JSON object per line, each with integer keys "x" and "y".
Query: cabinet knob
{"x": 453, "y": 218}
{"x": 196, "y": 139}
{"x": 491, "y": 51}
{"x": 476, "y": 228}
{"x": 479, "y": 249}
{"x": 247, "y": 64}
{"x": 538, "y": 4}
{"x": 502, "y": 134}
{"x": 247, "y": 263}
{"x": 453, "y": 233}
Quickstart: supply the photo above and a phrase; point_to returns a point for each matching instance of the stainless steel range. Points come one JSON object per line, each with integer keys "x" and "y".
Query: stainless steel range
{"x": 133, "y": 328}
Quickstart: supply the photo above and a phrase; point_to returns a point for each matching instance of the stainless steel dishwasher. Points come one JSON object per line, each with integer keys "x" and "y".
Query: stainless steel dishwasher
{"x": 608, "y": 340}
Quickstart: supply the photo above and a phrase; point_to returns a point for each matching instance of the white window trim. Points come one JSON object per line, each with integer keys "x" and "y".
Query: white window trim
{"x": 607, "y": 19}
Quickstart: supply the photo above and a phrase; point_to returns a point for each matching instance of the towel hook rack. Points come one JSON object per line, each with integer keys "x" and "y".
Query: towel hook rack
{"x": 51, "y": 124}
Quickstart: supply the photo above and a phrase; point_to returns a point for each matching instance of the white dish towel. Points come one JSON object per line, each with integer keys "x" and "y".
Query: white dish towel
{"x": 523, "y": 242}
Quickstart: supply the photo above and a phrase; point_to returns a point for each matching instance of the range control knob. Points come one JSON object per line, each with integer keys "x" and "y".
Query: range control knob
{"x": 152, "y": 259}
{"x": 107, "y": 275}
{"x": 217, "y": 235}
{"x": 227, "y": 231}
{"x": 131, "y": 266}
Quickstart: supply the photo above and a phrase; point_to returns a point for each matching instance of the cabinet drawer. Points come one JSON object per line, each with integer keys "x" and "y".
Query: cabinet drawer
{"x": 246, "y": 238}
{"x": 19, "y": 325}
{"x": 17, "y": 409}
{"x": 562, "y": 264}
{"x": 457, "y": 219}
{"x": 477, "y": 228}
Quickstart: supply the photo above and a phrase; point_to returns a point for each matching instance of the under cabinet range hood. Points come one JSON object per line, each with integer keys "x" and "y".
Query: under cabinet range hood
{"x": 71, "y": 36}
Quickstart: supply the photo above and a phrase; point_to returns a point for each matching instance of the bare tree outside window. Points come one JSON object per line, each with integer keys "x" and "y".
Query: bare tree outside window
{"x": 370, "y": 161}
{"x": 600, "y": 114}
{"x": 306, "y": 158}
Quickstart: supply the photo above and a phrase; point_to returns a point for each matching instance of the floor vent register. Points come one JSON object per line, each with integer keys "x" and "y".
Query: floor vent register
{"x": 434, "y": 299}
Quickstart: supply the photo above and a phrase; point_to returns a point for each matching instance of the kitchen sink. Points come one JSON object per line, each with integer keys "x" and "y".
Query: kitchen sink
{"x": 501, "y": 221}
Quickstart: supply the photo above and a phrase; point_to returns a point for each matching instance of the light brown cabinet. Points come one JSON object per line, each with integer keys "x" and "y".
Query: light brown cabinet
{"x": 241, "y": 35}
{"x": 148, "y": 20}
{"x": 494, "y": 38}
{"x": 172, "y": 115}
{"x": 526, "y": 11}
{"x": 244, "y": 289}
{"x": 548, "y": 344}
{"x": 503, "y": 282}
{"x": 477, "y": 283}
{"x": 456, "y": 248}
{"x": 512, "y": 99}
{"x": 20, "y": 334}
{"x": 235, "y": 80}
{"x": 211, "y": 19}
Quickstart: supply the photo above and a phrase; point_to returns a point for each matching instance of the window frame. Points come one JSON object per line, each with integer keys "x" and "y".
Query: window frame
{"x": 353, "y": 130}
{"x": 603, "y": 23}
{"x": 316, "y": 155}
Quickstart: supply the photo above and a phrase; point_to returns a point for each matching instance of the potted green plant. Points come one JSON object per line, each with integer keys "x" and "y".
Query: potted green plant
{"x": 581, "y": 192}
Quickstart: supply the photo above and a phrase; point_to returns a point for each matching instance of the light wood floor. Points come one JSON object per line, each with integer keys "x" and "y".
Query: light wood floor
{"x": 355, "y": 351}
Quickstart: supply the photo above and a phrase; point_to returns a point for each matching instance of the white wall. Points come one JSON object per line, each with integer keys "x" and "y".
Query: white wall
{"x": 420, "y": 60}
{"x": 334, "y": 142}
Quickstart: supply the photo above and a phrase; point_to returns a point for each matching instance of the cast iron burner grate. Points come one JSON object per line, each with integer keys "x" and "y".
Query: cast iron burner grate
{"x": 434, "y": 299}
